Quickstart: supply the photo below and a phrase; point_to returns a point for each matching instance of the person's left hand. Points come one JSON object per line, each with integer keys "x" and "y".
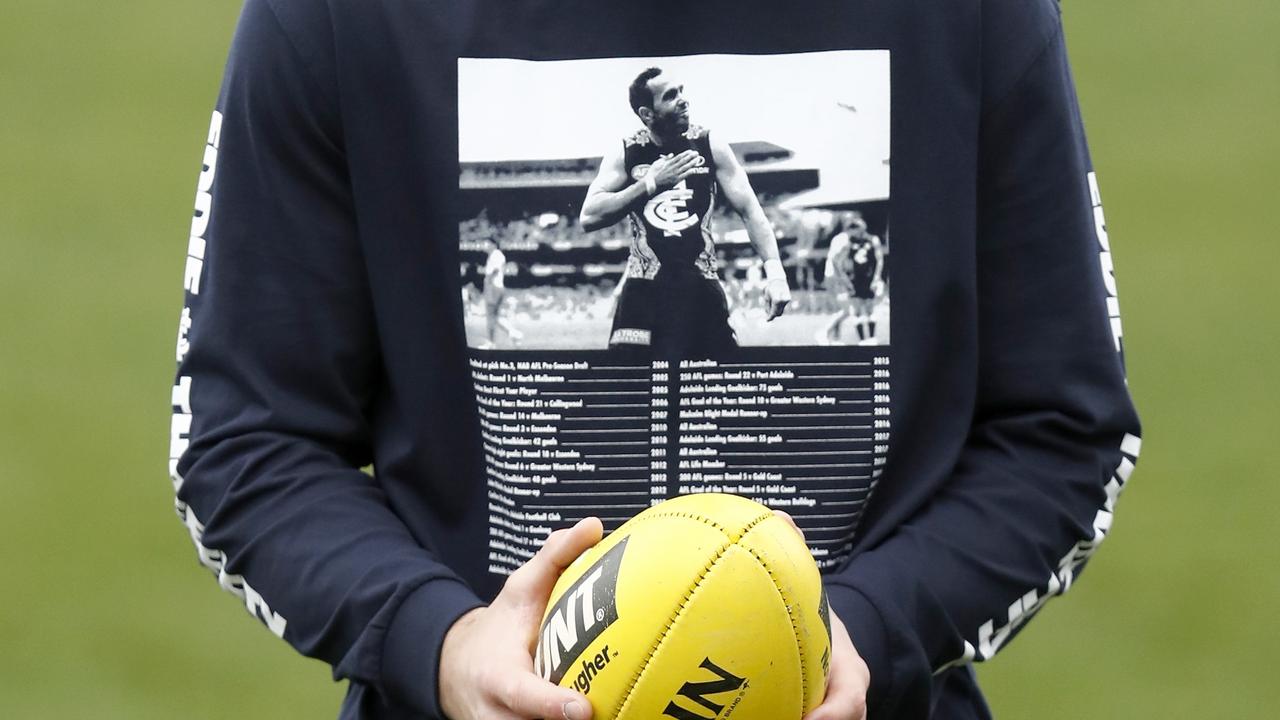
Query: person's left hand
{"x": 849, "y": 679}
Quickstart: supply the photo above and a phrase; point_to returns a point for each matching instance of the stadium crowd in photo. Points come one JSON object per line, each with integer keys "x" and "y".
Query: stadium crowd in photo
{"x": 561, "y": 280}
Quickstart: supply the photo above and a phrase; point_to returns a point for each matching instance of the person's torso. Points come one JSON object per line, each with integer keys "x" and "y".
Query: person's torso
{"x": 860, "y": 260}
{"x": 503, "y": 110}
{"x": 506, "y": 114}
{"x": 495, "y": 271}
{"x": 671, "y": 230}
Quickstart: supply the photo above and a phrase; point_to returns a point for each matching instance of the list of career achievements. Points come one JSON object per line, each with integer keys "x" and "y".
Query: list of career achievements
{"x": 565, "y": 440}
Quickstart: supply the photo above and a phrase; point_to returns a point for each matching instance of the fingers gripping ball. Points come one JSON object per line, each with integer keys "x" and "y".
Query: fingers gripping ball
{"x": 705, "y": 606}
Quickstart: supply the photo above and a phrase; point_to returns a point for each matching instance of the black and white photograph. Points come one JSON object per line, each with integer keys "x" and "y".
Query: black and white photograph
{"x": 675, "y": 206}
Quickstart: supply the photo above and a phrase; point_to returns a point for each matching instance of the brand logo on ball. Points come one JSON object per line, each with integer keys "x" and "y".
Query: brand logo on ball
{"x": 585, "y": 610}
{"x": 700, "y": 691}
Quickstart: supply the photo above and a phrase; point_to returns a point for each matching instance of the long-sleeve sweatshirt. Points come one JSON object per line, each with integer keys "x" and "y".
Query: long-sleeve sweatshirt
{"x": 462, "y": 273}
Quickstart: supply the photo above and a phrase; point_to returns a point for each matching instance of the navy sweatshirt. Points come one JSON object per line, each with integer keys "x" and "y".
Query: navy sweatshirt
{"x": 463, "y": 273}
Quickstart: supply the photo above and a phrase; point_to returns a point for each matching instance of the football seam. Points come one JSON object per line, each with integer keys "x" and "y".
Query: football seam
{"x": 789, "y": 604}
{"x": 684, "y": 603}
{"x": 690, "y": 516}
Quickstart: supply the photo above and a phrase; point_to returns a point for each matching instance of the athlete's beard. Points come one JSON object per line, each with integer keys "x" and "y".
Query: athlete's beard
{"x": 671, "y": 126}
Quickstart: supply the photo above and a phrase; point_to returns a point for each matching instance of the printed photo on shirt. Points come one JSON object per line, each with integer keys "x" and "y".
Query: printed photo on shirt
{"x": 675, "y": 206}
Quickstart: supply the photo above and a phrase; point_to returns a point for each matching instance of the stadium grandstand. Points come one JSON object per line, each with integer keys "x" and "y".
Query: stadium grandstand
{"x": 530, "y": 208}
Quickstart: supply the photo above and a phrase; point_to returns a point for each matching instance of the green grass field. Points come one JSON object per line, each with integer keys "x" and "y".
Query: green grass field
{"x": 106, "y": 614}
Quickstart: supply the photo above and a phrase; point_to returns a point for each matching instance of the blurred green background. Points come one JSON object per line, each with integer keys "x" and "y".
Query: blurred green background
{"x": 105, "y": 613}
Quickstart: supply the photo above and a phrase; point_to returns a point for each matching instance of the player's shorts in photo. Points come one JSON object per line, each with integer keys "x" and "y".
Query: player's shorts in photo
{"x": 863, "y": 289}
{"x": 688, "y": 316}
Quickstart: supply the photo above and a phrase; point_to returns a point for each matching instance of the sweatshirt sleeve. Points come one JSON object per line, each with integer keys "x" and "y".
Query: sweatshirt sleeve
{"x": 278, "y": 366}
{"x": 1054, "y": 435}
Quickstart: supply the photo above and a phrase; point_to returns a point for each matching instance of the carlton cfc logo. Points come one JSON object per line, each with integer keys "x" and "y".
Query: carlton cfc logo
{"x": 668, "y": 210}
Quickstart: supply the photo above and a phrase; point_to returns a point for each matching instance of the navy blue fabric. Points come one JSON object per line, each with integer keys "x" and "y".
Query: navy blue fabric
{"x": 328, "y": 331}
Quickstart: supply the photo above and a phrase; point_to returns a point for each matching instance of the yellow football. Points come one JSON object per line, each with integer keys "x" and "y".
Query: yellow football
{"x": 703, "y": 607}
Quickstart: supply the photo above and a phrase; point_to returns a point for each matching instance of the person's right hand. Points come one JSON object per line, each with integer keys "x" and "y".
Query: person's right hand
{"x": 486, "y": 664}
{"x": 669, "y": 171}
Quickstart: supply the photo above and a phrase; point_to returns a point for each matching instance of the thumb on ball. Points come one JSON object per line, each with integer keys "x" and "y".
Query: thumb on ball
{"x": 531, "y": 696}
{"x": 576, "y": 540}
{"x": 533, "y": 580}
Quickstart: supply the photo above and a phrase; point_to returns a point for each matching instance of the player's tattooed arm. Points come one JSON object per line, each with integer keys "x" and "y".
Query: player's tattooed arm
{"x": 609, "y": 198}
{"x": 742, "y": 198}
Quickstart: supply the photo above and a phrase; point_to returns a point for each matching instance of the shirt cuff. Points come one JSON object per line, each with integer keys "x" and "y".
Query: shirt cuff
{"x": 866, "y": 629}
{"x": 411, "y": 650}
